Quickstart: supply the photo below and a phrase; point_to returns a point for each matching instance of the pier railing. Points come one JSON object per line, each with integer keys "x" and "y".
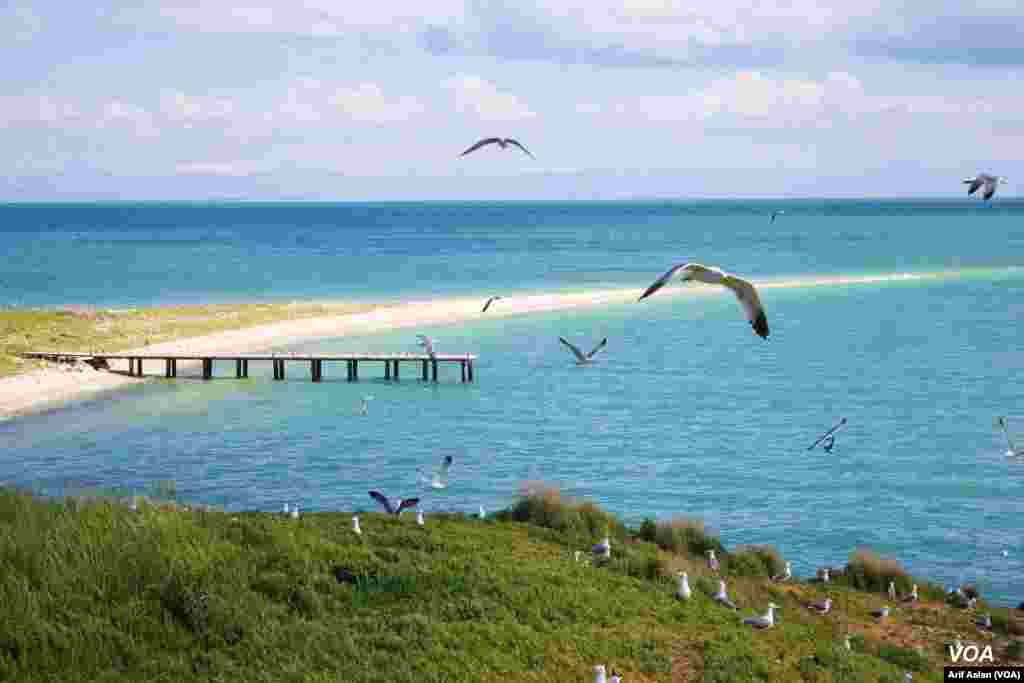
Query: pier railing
{"x": 391, "y": 361}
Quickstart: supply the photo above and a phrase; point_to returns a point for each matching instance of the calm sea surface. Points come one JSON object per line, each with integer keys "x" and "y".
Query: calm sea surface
{"x": 687, "y": 412}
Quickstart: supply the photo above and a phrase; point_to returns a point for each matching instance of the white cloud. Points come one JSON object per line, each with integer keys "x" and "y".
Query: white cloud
{"x": 367, "y": 102}
{"x": 21, "y": 23}
{"x": 477, "y": 97}
{"x": 232, "y": 169}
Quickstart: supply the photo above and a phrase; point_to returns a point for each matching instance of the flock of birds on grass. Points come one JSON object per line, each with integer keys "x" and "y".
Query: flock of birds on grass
{"x": 752, "y": 308}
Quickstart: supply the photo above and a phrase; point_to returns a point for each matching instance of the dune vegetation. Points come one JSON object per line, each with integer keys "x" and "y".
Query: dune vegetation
{"x": 87, "y": 329}
{"x": 94, "y": 590}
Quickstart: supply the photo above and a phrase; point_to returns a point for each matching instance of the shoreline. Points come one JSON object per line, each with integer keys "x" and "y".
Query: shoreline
{"x": 51, "y": 387}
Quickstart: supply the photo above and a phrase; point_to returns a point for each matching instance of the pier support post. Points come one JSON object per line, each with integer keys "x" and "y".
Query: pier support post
{"x": 167, "y": 369}
{"x": 315, "y": 369}
{"x": 396, "y": 370}
{"x": 424, "y": 371}
{"x": 463, "y": 372}
{"x": 348, "y": 370}
{"x": 131, "y": 366}
{"x": 207, "y": 368}
{"x": 245, "y": 367}
{"x": 387, "y": 369}
{"x": 280, "y": 369}
{"x": 174, "y": 367}
{"x": 138, "y": 367}
{"x": 434, "y": 364}
{"x": 238, "y": 368}
{"x": 469, "y": 366}
{"x": 355, "y": 370}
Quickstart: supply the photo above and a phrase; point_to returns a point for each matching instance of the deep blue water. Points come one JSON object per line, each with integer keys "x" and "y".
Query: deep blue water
{"x": 687, "y": 412}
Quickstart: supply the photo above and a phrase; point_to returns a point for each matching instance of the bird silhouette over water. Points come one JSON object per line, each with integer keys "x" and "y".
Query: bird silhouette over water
{"x": 392, "y": 509}
{"x": 501, "y": 142}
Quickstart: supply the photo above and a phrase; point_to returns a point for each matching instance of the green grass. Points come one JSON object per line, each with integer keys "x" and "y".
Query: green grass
{"x": 94, "y": 591}
{"x": 84, "y": 329}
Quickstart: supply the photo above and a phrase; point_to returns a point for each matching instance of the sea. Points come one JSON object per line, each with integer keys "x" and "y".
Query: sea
{"x": 685, "y": 413}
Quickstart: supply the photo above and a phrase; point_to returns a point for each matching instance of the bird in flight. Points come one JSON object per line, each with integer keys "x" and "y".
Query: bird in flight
{"x": 744, "y": 291}
{"x": 583, "y": 358}
{"x": 986, "y": 181}
{"x": 501, "y": 142}
{"x": 489, "y": 302}
{"x": 776, "y": 213}
{"x": 389, "y": 507}
{"x": 827, "y": 435}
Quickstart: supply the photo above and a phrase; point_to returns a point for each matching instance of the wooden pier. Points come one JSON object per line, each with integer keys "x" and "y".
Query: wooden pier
{"x": 392, "y": 362}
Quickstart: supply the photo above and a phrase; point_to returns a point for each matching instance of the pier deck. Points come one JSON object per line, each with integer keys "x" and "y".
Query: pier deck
{"x": 391, "y": 361}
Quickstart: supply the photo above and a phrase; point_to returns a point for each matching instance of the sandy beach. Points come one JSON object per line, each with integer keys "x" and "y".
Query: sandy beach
{"x": 53, "y": 385}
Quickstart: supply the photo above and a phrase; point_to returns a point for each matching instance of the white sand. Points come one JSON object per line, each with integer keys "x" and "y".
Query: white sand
{"x": 49, "y": 387}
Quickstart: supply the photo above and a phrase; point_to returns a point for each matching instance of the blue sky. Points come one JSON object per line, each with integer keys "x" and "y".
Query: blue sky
{"x": 328, "y": 100}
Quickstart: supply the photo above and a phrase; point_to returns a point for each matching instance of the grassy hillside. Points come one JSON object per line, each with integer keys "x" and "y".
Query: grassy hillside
{"x": 95, "y": 591}
{"x": 85, "y": 329}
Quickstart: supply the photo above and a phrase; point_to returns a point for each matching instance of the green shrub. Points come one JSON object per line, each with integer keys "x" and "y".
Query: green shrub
{"x": 867, "y": 571}
{"x": 543, "y": 505}
{"x": 755, "y": 560}
{"x": 903, "y": 657}
{"x": 648, "y": 530}
{"x": 685, "y": 535}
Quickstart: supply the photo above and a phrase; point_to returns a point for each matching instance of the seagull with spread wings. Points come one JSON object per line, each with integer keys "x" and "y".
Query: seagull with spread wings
{"x": 489, "y": 302}
{"x": 390, "y": 508}
{"x": 583, "y": 358}
{"x": 501, "y": 142}
{"x": 744, "y": 291}
{"x": 986, "y": 181}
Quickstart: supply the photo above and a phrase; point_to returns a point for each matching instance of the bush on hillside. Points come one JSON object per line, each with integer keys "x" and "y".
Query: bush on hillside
{"x": 686, "y": 535}
{"x": 868, "y": 571}
{"x": 756, "y": 560}
{"x": 542, "y": 505}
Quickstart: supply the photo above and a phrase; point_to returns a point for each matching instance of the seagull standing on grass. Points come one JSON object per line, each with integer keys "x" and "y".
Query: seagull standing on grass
{"x": 489, "y": 302}
{"x": 599, "y": 674}
{"x": 892, "y": 590}
{"x": 881, "y": 614}
{"x": 722, "y": 597}
{"x": 616, "y": 678}
{"x": 986, "y": 181}
{"x": 419, "y": 518}
{"x": 847, "y": 644}
{"x": 766, "y": 621}
{"x": 355, "y": 526}
{"x": 602, "y": 550}
{"x": 295, "y": 512}
{"x": 984, "y": 623}
{"x": 913, "y": 595}
{"x": 390, "y": 508}
{"x": 684, "y": 592}
{"x": 584, "y": 358}
{"x": 500, "y": 142}
{"x": 286, "y": 510}
{"x": 712, "y": 561}
{"x": 745, "y": 292}
{"x": 822, "y": 606}
{"x": 786, "y": 575}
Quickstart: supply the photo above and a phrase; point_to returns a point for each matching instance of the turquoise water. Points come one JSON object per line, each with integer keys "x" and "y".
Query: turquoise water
{"x": 686, "y": 412}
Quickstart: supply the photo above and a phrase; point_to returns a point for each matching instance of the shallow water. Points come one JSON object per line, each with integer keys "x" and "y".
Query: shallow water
{"x": 686, "y": 412}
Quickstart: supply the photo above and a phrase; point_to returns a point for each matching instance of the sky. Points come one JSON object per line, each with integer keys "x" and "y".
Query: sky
{"x": 349, "y": 101}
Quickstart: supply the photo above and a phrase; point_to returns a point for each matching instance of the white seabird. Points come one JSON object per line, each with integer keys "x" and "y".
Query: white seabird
{"x": 295, "y": 512}
{"x": 489, "y": 302}
{"x": 389, "y": 507}
{"x": 285, "y": 510}
{"x": 364, "y": 407}
{"x": 599, "y": 674}
{"x": 892, "y": 590}
{"x": 880, "y": 614}
{"x": 576, "y": 555}
{"x": 584, "y": 358}
{"x": 766, "y": 621}
{"x": 355, "y": 526}
{"x": 984, "y": 622}
{"x": 777, "y": 212}
{"x": 908, "y": 677}
{"x": 712, "y": 561}
{"x": 822, "y": 606}
{"x": 501, "y": 142}
{"x": 827, "y": 434}
{"x": 602, "y": 550}
{"x": 1011, "y": 449}
{"x": 847, "y": 644}
{"x": 419, "y": 518}
{"x": 745, "y": 292}
{"x": 684, "y": 592}
{"x": 913, "y": 595}
{"x": 428, "y": 344}
{"x": 986, "y": 181}
{"x": 616, "y": 678}
{"x": 722, "y": 597}
{"x": 437, "y": 479}
{"x": 785, "y": 575}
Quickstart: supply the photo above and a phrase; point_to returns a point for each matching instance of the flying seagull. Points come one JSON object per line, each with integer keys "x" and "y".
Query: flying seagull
{"x": 427, "y": 343}
{"x": 389, "y": 507}
{"x": 584, "y": 358}
{"x": 501, "y": 142}
{"x": 1012, "y": 450}
{"x": 986, "y": 181}
{"x": 827, "y": 434}
{"x": 776, "y": 213}
{"x": 437, "y": 479}
{"x": 744, "y": 291}
{"x": 766, "y": 621}
{"x": 489, "y": 302}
